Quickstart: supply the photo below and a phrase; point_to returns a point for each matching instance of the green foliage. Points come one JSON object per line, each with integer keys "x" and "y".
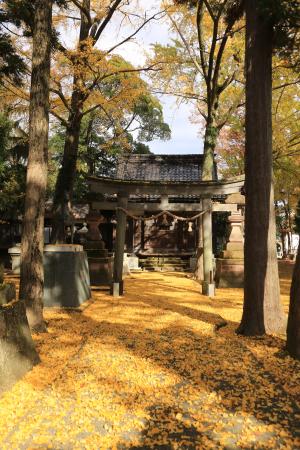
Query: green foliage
{"x": 148, "y": 112}
{"x": 21, "y": 14}
{"x": 12, "y": 171}
{"x": 98, "y": 150}
{"x": 284, "y": 17}
{"x": 5, "y": 129}
{"x": 12, "y": 64}
{"x": 18, "y": 12}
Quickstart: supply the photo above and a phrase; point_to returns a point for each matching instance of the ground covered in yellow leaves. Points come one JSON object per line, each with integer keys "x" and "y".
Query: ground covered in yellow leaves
{"x": 154, "y": 369}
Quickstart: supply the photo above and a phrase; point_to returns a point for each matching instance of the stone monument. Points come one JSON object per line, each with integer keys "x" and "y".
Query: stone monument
{"x": 67, "y": 282}
{"x": 100, "y": 263}
{"x": 230, "y": 266}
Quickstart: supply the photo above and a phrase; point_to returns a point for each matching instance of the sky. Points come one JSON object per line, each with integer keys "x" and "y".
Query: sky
{"x": 185, "y": 136}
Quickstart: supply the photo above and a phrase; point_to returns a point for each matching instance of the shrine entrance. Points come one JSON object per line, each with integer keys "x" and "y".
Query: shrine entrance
{"x": 120, "y": 196}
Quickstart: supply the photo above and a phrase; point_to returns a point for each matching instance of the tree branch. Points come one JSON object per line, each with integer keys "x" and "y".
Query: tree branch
{"x": 177, "y": 94}
{"x": 188, "y": 49}
{"x": 84, "y": 10}
{"x": 292, "y": 83}
{"x": 60, "y": 94}
{"x": 155, "y": 16}
{"x": 111, "y": 10}
{"x": 220, "y": 52}
{"x": 210, "y": 11}
{"x": 143, "y": 69}
{"x": 57, "y": 116}
{"x": 203, "y": 60}
{"x": 227, "y": 82}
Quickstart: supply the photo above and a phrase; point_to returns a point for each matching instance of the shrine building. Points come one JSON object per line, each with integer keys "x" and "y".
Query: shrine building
{"x": 157, "y": 207}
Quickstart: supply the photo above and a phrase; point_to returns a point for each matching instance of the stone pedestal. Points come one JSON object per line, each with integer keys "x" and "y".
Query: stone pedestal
{"x": 100, "y": 264}
{"x": 230, "y": 273}
{"x": 192, "y": 263}
{"x": 130, "y": 262}
{"x": 208, "y": 289}
{"x": 133, "y": 262}
{"x": 230, "y": 267}
{"x": 67, "y": 282}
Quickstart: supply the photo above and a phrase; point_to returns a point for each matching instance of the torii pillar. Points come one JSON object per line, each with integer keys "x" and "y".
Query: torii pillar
{"x": 117, "y": 285}
{"x": 208, "y": 285}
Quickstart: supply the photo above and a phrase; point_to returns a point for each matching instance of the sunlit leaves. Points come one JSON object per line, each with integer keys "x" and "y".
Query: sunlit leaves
{"x": 148, "y": 370}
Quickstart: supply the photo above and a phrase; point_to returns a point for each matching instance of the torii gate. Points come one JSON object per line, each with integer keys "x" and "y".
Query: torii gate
{"x": 124, "y": 189}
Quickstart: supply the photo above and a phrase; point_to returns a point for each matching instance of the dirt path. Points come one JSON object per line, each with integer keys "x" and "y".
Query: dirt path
{"x": 149, "y": 370}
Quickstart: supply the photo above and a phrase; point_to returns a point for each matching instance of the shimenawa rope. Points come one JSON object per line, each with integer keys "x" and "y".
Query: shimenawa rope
{"x": 162, "y": 213}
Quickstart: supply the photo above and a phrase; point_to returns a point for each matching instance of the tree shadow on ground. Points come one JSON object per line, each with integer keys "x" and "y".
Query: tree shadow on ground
{"x": 196, "y": 388}
{"x": 244, "y": 386}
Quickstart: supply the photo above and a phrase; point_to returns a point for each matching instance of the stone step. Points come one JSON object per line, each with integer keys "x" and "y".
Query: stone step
{"x": 165, "y": 260}
{"x": 162, "y": 259}
{"x": 165, "y": 269}
{"x": 167, "y": 263}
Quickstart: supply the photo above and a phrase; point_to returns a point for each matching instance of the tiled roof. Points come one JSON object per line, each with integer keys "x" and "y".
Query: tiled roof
{"x": 160, "y": 168}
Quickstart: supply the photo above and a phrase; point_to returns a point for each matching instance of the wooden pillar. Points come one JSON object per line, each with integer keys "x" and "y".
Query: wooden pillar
{"x": 117, "y": 288}
{"x": 130, "y": 235}
{"x": 208, "y": 285}
{"x": 199, "y": 247}
{"x": 142, "y": 235}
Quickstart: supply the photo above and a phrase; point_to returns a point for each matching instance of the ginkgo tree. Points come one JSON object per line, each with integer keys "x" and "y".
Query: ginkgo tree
{"x": 204, "y": 65}
{"x": 87, "y": 77}
{"x": 102, "y": 139}
{"x": 84, "y": 79}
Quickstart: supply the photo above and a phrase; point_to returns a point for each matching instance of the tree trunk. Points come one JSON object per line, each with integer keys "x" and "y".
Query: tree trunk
{"x": 293, "y": 328}
{"x": 32, "y": 272}
{"x": 17, "y": 351}
{"x": 66, "y": 177}
{"x": 210, "y": 142}
{"x": 263, "y": 312}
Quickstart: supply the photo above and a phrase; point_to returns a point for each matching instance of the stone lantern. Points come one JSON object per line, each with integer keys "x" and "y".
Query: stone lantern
{"x": 100, "y": 264}
{"x": 230, "y": 266}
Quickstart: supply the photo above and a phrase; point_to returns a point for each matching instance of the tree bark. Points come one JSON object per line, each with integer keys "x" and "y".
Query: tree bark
{"x": 210, "y": 142}
{"x": 32, "y": 272}
{"x": 17, "y": 350}
{"x": 65, "y": 181}
{"x": 263, "y": 312}
{"x": 293, "y": 328}
{"x": 67, "y": 173}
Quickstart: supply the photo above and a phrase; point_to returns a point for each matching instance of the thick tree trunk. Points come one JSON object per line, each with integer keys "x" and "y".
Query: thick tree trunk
{"x": 210, "y": 142}
{"x": 293, "y": 328}
{"x": 66, "y": 177}
{"x": 263, "y": 312}
{"x": 17, "y": 351}
{"x": 32, "y": 272}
